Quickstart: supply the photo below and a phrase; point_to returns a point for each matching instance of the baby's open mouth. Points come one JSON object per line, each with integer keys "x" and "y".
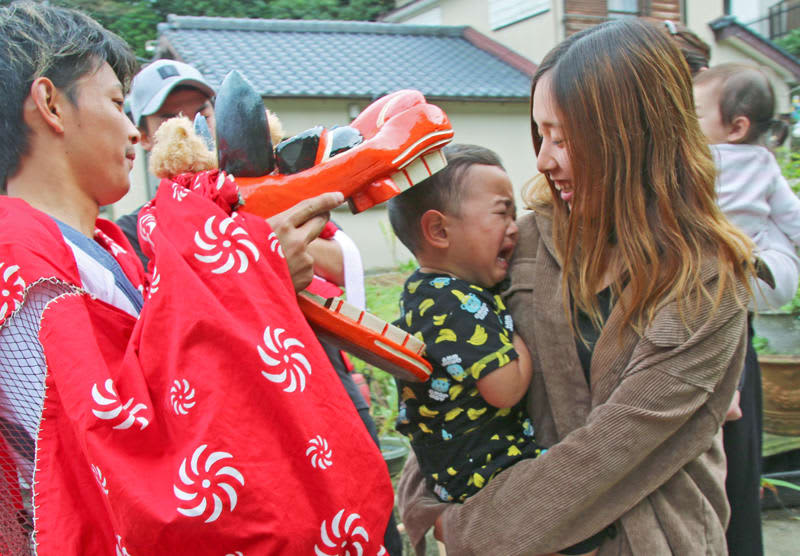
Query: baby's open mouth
{"x": 505, "y": 253}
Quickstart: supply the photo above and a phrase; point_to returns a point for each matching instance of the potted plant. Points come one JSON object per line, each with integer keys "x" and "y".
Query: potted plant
{"x": 777, "y": 342}
{"x": 780, "y": 491}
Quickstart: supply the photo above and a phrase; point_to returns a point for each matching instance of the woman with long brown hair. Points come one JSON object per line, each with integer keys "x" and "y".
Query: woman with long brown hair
{"x": 630, "y": 289}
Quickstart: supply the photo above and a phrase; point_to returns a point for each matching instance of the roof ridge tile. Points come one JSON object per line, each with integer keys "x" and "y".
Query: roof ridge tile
{"x": 310, "y": 26}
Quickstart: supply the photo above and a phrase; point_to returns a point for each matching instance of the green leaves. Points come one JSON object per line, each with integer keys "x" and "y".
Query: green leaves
{"x": 136, "y": 20}
{"x": 773, "y": 484}
{"x": 790, "y": 42}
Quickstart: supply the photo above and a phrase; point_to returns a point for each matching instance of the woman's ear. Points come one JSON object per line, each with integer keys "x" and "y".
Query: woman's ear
{"x": 433, "y": 226}
{"x": 45, "y": 105}
{"x": 739, "y": 128}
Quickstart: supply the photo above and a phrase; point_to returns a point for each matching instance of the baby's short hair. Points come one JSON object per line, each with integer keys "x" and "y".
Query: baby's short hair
{"x": 442, "y": 192}
{"x": 745, "y": 90}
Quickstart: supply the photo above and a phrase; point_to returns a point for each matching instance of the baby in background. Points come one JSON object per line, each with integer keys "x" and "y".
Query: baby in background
{"x": 735, "y": 107}
{"x": 465, "y": 423}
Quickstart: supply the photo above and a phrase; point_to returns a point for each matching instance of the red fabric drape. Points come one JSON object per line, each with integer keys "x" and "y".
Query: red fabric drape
{"x": 213, "y": 423}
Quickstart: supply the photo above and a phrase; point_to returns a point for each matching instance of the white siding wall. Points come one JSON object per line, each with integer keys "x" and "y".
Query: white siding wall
{"x": 507, "y": 12}
{"x": 699, "y": 13}
{"x": 529, "y": 27}
{"x": 429, "y": 17}
{"x": 137, "y": 195}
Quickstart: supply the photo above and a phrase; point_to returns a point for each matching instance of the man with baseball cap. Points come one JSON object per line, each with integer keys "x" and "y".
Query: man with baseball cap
{"x": 165, "y": 89}
{"x": 162, "y": 90}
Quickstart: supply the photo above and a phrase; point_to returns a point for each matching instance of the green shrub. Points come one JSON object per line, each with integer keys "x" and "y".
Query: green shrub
{"x": 789, "y": 161}
{"x": 383, "y": 300}
{"x": 790, "y": 42}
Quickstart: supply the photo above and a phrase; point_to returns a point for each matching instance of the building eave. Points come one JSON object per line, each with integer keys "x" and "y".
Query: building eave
{"x": 728, "y": 29}
{"x": 498, "y": 50}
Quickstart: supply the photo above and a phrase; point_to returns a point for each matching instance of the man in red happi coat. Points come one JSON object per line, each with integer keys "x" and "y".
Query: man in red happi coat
{"x": 188, "y": 411}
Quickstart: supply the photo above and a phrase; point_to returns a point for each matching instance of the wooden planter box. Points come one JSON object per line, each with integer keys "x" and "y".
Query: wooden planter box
{"x": 780, "y": 377}
{"x": 780, "y": 371}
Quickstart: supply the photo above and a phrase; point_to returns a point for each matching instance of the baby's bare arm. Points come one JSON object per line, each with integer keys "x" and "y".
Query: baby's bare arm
{"x": 508, "y": 384}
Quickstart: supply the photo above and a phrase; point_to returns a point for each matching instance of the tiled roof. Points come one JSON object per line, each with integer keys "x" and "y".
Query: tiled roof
{"x": 298, "y": 58}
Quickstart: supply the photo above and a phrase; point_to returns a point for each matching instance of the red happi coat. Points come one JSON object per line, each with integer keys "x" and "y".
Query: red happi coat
{"x": 213, "y": 423}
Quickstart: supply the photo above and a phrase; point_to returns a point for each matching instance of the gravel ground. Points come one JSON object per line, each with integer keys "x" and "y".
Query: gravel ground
{"x": 781, "y": 528}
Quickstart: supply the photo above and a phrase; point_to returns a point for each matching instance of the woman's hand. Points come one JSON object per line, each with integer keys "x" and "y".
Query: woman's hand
{"x": 734, "y": 411}
{"x": 438, "y": 532}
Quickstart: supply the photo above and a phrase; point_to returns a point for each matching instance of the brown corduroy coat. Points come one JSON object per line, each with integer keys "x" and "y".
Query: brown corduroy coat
{"x": 641, "y": 449}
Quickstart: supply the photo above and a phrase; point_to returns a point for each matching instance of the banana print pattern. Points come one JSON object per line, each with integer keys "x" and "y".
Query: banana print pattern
{"x": 424, "y": 306}
{"x": 438, "y": 320}
{"x": 461, "y": 442}
{"x": 412, "y": 286}
{"x": 478, "y": 337}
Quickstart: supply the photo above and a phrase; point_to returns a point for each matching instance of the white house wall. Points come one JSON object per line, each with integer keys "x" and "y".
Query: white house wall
{"x": 748, "y": 11}
{"x": 699, "y": 13}
{"x": 432, "y": 16}
{"x": 137, "y": 194}
{"x": 532, "y": 37}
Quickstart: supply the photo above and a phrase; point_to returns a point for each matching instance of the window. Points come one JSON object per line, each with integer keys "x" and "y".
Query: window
{"x": 622, "y": 8}
{"x": 506, "y": 12}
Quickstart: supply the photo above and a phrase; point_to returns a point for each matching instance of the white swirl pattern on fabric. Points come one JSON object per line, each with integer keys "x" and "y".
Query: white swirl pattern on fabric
{"x": 275, "y": 244}
{"x": 121, "y": 550}
{"x": 320, "y": 453}
{"x": 345, "y": 539}
{"x": 179, "y": 193}
{"x": 12, "y": 290}
{"x": 101, "y": 481}
{"x": 147, "y": 223}
{"x": 154, "y": 282}
{"x": 287, "y": 361}
{"x": 224, "y": 246}
{"x": 111, "y": 407}
{"x": 202, "y": 489}
{"x": 181, "y": 396}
